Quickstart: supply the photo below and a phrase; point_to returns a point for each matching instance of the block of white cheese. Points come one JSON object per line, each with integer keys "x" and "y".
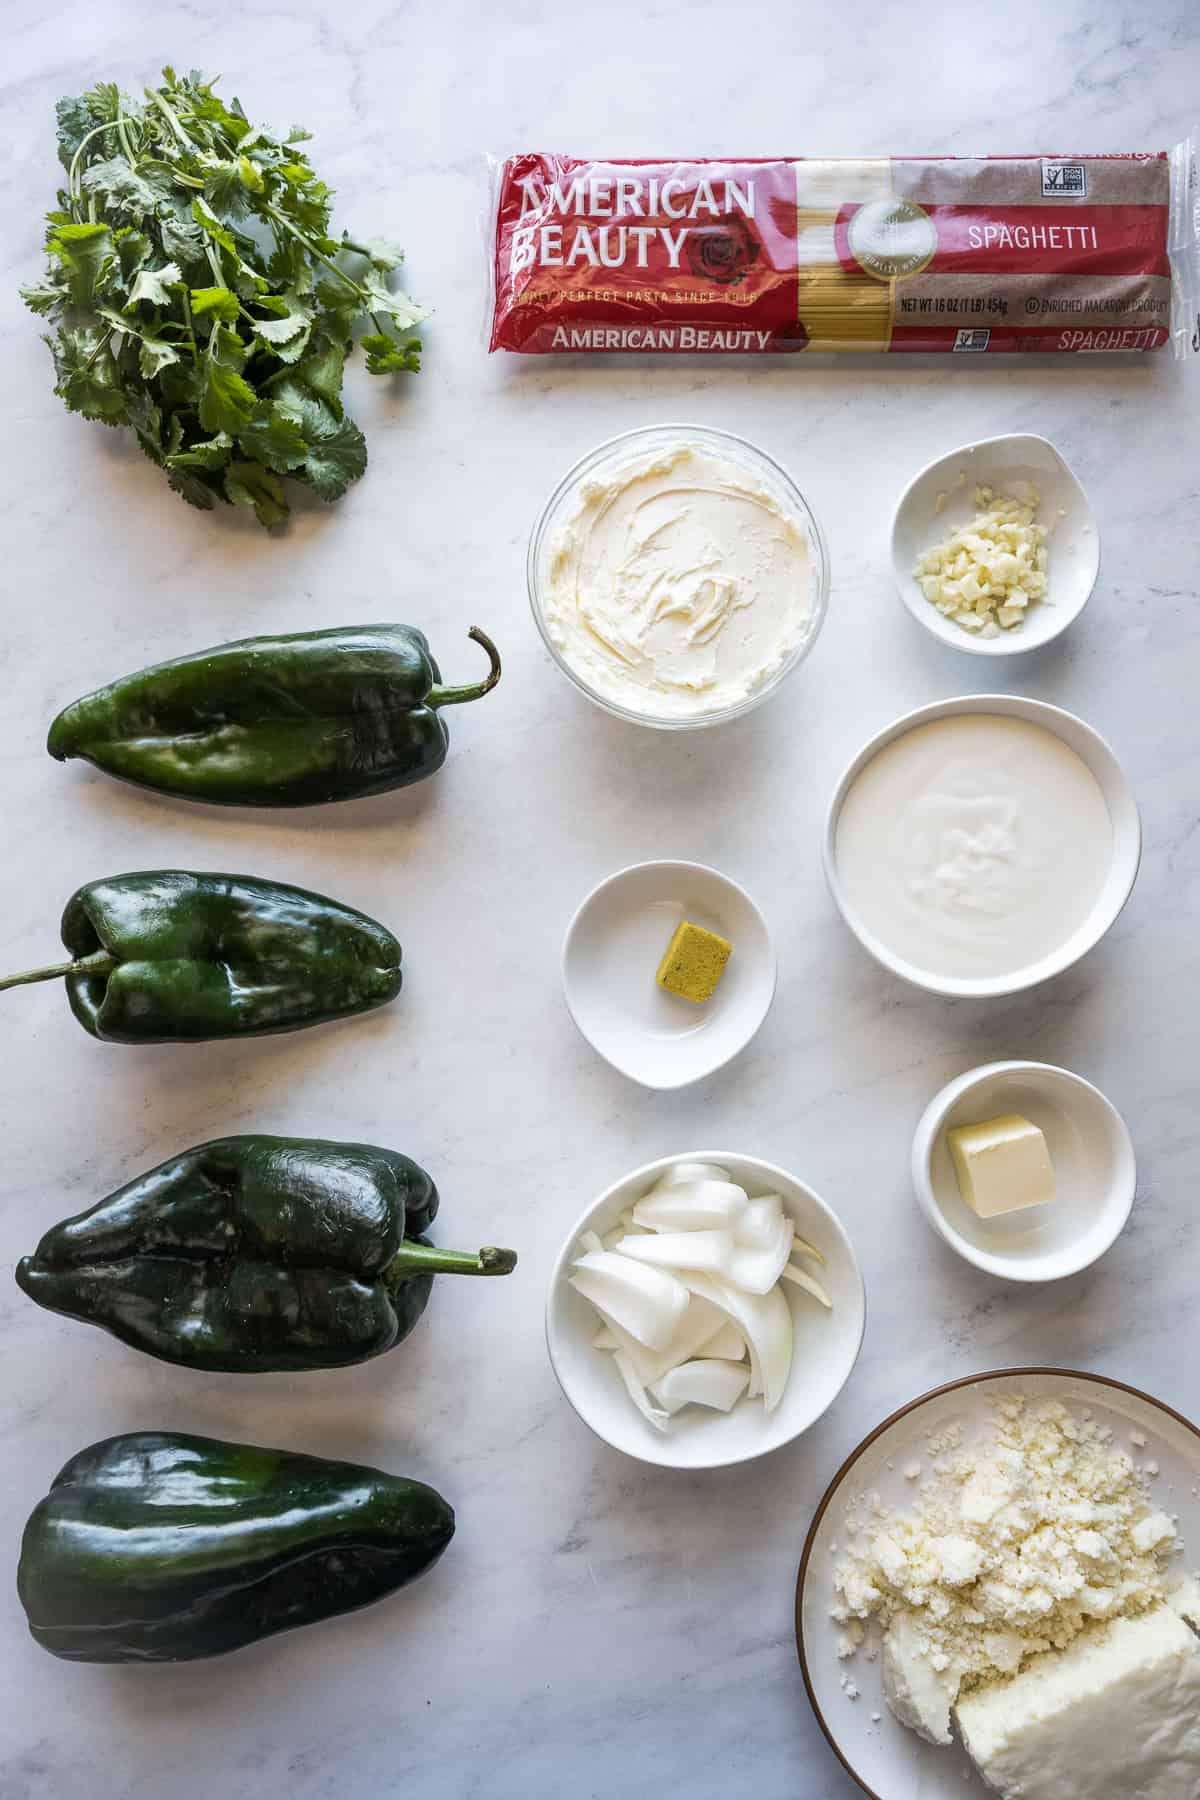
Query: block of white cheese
{"x": 919, "y": 1695}
{"x": 1002, "y": 1165}
{"x": 1115, "y": 1716}
{"x": 1186, "y": 1600}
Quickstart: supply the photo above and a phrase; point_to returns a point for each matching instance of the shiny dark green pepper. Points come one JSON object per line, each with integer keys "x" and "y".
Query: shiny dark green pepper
{"x": 253, "y": 1253}
{"x": 276, "y": 721}
{"x": 157, "y": 1547}
{"x": 168, "y": 955}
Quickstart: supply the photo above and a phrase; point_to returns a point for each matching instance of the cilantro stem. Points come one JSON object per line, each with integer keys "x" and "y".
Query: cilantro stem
{"x": 281, "y": 219}
{"x": 169, "y": 115}
{"x": 188, "y": 326}
{"x": 126, "y": 145}
{"x": 102, "y": 345}
{"x": 74, "y": 184}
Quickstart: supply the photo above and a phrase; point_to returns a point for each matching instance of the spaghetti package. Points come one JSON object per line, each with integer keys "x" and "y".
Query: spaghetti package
{"x": 965, "y": 254}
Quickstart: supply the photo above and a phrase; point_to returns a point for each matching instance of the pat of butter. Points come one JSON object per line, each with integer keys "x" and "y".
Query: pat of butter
{"x": 1002, "y": 1165}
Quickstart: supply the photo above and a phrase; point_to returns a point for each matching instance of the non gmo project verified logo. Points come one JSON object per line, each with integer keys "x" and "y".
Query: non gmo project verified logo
{"x": 1061, "y": 180}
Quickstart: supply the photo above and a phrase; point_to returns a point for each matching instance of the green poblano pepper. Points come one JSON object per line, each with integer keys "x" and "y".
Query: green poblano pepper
{"x": 156, "y": 1547}
{"x": 166, "y": 954}
{"x": 276, "y": 721}
{"x": 254, "y": 1253}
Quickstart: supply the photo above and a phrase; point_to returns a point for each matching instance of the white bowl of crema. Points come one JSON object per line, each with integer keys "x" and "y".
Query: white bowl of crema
{"x": 1090, "y": 1152}
{"x": 981, "y": 845}
{"x": 677, "y": 576}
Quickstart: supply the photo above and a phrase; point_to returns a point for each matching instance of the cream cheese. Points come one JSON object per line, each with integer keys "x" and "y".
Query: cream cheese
{"x": 679, "y": 585}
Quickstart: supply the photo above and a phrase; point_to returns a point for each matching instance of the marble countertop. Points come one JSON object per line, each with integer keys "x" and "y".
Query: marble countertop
{"x": 597, "y": 1628}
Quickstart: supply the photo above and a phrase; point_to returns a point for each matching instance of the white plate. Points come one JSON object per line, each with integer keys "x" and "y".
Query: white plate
{"x": 1094, "y": 1171}
{"x": 1010, "y": 465}
{"x": 825, "y": 1350}
{"x": 887, "y": 1761}
{"x": 611, "y": 954}
{"x": 1100, "y": 758}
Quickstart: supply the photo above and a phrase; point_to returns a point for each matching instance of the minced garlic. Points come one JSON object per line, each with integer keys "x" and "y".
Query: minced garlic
{"x": 988, "y": 571}
{"x": 1014, "y": 1547}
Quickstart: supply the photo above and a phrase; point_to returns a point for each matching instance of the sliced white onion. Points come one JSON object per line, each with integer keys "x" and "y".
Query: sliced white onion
{"x": 709, "y": 1251}
{"x": 764, "y": 1320}
{"x": 757, "y": 1271}
{"x": 728, "y": 1344}
{"x": 590, "y": 1241}
{"x": 684, "y": 1172}
{"x": 809, "y": 1283}
{"x": 692, "y": 1206}
{"x": 648, "y": 1303}
{"x": 802, "y": 1247}
{"x": 638, "y": 1394}
{"x": 706, "y": 1382}
{"x": 759, "y": 1223}
{"x": 699, "y": 1323}
{"x": 605, "y": 1339}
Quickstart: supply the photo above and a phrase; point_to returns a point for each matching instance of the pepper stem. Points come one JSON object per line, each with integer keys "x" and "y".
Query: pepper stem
{"x": 101, "y": 963}
{"x": 454, "y": 696}
{"x": 413, "y": 1258}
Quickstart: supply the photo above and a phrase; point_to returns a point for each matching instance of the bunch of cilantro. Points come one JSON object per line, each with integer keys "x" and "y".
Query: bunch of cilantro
{"x": 198, "y": 298}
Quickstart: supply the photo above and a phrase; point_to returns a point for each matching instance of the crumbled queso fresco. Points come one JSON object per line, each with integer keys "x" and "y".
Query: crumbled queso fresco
{"x": 1013, "y": 1547}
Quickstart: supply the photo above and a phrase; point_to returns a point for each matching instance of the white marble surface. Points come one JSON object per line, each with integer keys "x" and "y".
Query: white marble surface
{"x": 596, "y": 1628}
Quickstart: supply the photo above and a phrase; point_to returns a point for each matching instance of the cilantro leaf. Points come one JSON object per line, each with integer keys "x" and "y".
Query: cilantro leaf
{"x": 192, "y": 488}
{"x": 249, "y": 484}
{"x": 155, "y": 354}
{"x": 86, "y": 255}
{"x": 154, "y": 285}
{"x": 225, "y": 192}
{"x": 88, "y": 378}
{"x": 212, "y": 226}
{"x": 219, "y": 302}
{"x": 41, "y": 296}
{"x": 274, "y": 437}
{"x": 321, "y": 375}
{"x": 226, "y": 401}
{"x": 210, "y": 454}
{"x": 337, "y": 457}
{"x": 385, "y": 356}
{"x": 381, "y": 253}
{"x": 398, "y": 306}
{"x": 182, "y": 238}
{"x": 122, "y": 185}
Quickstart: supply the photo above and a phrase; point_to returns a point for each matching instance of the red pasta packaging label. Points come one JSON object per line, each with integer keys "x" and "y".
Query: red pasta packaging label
{"x": 973, "y": 255}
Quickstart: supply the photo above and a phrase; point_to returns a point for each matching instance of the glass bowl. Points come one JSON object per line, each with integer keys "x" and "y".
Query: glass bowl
{"x": 614, "y": 453}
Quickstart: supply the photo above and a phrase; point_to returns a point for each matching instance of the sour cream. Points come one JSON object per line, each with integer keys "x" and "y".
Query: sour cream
{"x": 974, "y": 846}
{"x": 678, "y": 585}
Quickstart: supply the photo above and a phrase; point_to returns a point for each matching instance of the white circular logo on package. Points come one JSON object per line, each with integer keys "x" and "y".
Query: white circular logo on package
{"x": 892, "y": 238}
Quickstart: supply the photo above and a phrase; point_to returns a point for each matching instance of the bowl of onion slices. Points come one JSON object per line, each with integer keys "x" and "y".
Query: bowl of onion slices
{"x": 705, "y": 1310}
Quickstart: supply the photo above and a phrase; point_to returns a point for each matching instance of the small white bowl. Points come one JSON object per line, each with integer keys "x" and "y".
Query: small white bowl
{"x": 611, "y": 954}
{"x": 1093, "y": 1161}
{"x": 826, "y": 1344}
{"x": 1011, "y": 466}
{"x": 612, "y": 455}
{"x": 1099, "y": 757}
